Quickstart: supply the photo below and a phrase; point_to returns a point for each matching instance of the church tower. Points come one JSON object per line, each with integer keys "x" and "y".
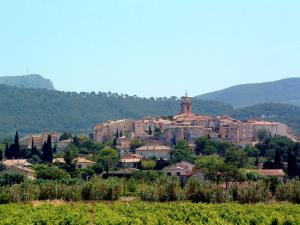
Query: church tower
{"x": 186, "y": 105}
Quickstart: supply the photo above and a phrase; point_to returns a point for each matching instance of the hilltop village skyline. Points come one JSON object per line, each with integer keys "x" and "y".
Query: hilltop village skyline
{"x": 188, "y": 126}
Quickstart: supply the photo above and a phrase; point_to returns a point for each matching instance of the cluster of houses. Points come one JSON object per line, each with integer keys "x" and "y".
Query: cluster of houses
{"x": 158, "y": 135}
{"x": 189, "y": 126}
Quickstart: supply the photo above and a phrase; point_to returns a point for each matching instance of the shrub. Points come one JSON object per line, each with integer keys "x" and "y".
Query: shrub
{"x": 253, "y": 192}
{"x": 51, "y": 173}
{"x": 11, "y": 179}
{"x": 289, "y": 192}
{"x": 205, "y": 192}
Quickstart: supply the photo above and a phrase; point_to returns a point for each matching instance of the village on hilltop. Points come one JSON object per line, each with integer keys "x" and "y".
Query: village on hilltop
{"x": 155, "y": 139}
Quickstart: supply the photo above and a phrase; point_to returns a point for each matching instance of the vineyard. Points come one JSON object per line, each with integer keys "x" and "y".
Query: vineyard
{"x": 145, "y": 213}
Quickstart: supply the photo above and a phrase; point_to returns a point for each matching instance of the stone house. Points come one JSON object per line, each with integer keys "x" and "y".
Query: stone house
{"x": 155, "y": 151}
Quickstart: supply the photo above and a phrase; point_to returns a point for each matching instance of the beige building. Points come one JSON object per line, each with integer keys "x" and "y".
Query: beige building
{"x": 19, "y": 166}
{"x": 107, "y": 131}
{"x": 189, "y": 126}
{"x": 179, "y": 169}
{"x": 278, "y": 173}
{"x": 40, "y": 139}
{"x": 80, "y": 163}
{"x": 245, "y": 133}
{"x": 63, "y": 145}
{"x": 130, "y": 160}
{"x": 155, "y": 151}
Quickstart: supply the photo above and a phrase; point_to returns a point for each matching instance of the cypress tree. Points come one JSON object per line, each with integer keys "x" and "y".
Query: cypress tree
{"x": 277, "y": 160}
{"x": 17, "y": 149}
{"x": 121, "y": 133}
{"x": 32, "y": 144}
{"x": 11, "y": 151}
{"x": 6, "y": 153}
{"x": 150, "y": 130}
{"x": 292, "y": 164}
{"x": 1, "y": 158}
{"x": 117, "y": 134}
{"x": 49, "y": 149}
{"x": 44, "y": 154}
{"x": 76, "y": 141}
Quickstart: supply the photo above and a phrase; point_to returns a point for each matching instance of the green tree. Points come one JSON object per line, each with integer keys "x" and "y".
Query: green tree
{"x": 211, "y": 165}
{"x": 277, "y": 160}
{"x": 16, "y": 147}
{"x": 117, "y": 134}
{"x": 1, "y": 159}
{"x": 136, "y": 143}
{"x": 261, "y": 134}
{"x": 76, "y": 141}
{"x": 50, "y": 173}
{"x": 252, "y": 151}
{"x": 201, "y": 143}
{"x": 69, "y": 161}
{"x": 47, "y": 155}
{"x": 157, "y": 132}
{"x": 236, "y": 157}
{"x": 292, "y": 164}
{"x": 108, "y": 157}
{"x": 182, "y": 152}
{"x": 150, "y": 130}
{"x": 66, "y": 135}
{"x": 148, "y": 164}
{"x": 6, "y": 152}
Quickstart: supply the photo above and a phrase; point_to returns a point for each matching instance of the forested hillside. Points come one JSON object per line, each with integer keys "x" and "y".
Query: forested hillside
{"x": 282, "y": 91}
{"x": 35, "y": 110}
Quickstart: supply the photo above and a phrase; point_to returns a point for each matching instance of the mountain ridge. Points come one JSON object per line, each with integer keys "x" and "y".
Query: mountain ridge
{"x": 34, "y": 110}
{"x": 243, "y": 95}
{"x": 27, "y": 81}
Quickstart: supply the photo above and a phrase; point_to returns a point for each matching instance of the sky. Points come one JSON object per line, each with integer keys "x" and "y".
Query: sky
{"x": 150, "y": 47}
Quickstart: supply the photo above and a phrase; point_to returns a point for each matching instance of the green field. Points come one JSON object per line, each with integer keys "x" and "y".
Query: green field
{"x": 148, "y": 213}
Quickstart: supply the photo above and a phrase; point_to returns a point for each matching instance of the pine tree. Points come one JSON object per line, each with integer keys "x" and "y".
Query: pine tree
{"x": 277, "y": 160}
{"x": 292, "y": 164}
{"x": 17, "y": 149}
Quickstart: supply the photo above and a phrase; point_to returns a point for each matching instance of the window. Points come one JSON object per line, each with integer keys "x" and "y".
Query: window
{"x": 169, "y": 174}
{"x": 178, "y": 174}
{"x": 79, "y": 166}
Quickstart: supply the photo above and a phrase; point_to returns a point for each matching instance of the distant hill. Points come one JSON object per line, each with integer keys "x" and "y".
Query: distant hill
{"x": 27, "y": 81}
{"x": 35, "y": 110}
{"x": 285, "y": 113}
{"x": 282, "y": 91}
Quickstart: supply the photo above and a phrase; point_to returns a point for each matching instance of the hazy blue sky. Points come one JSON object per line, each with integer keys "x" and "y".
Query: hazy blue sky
{"x": 150, "y": 47}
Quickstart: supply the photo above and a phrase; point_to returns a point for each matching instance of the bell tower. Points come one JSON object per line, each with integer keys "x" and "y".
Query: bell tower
{"x": 186, "y": 105}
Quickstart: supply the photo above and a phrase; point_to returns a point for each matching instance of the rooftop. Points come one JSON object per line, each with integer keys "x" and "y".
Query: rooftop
{"x": 154, "y": 148}
{"x": 271, "y": 173}
{"x": 131, "y": 158}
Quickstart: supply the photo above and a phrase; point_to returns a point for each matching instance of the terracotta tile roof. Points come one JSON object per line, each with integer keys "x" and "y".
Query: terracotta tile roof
{"x": 83, "y": 160}
{"x": 16, "y": 162}
{"x": 154, "y": 148}
{"x": 78, "y": 160}
{"x": 131, "y": 158}
{"x": 271, "y": 173}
